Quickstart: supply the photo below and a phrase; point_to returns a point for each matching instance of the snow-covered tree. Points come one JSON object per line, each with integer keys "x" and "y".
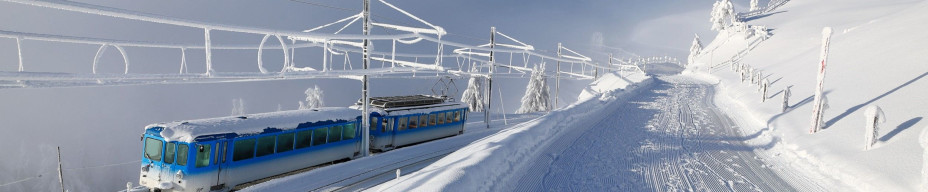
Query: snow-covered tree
{"x": 694, "y": 50}
{"x": 473, "y": 95}
{"x": 874, "y": 116}
{"x": 238, "y": 107}
{"x": 536, "y": 93}
{"x": 721, "y": 11}
{"x": 755, "y": 5}
{"x": 314, "y": 98}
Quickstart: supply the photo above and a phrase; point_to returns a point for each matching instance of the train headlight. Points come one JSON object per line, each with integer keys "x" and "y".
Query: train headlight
{"x": 179, "y": 175}
{"x": 145, "y": 168}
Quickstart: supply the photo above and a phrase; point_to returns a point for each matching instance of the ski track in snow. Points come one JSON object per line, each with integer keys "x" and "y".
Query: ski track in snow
{"x": 671, "y": 138}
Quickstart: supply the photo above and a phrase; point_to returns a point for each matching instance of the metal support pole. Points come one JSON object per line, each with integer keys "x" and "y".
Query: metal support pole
{"x": 19, "y": 51}
{"x": 490, "y": 77}
{"x": 365, "y": 121}
{"x": 60, "y": 177}
{"x": 209, "y": 54}
{"x": 325, "y": 55}
{"x": 557, "y": 81}
{"x": 393, "y": 56}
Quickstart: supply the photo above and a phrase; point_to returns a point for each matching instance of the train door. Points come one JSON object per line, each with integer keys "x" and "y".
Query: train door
{"x": 388, "y": 125}
{"x": 169, "y": 168}
{"x": 222, "y": 149}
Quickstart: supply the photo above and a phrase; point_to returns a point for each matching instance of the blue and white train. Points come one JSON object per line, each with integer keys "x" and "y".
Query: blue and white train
{"x": 218, "y": 154}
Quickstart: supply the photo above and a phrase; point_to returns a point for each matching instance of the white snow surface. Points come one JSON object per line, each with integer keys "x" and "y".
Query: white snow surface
{"x": 187, "y": 131}
{"x": 491, "y": 162}
{"x": 876, "y": 57}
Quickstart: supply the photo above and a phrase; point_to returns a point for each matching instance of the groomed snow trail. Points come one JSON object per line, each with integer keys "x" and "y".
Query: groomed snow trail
{"x": 670, "y": 138}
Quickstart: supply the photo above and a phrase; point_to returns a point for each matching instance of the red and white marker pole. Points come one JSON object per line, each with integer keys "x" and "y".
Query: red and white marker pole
{"x": 819, "y": 88}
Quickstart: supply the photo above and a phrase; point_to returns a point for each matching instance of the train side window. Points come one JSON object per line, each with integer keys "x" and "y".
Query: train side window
{"x": 304, "y": 139}
{"x": 449, "y": 116}
{"x": 441, "y": 118}
{"x": 457, "y": 116}
{"x": 335, "y": 134}
{"x": 265, "y": 146}
{"x": 225, "y": 147}
{"x": 169, "y": 153}
{"x": 349, "y": 132}
{"x": 401, "y": 125}
{"x": 285, "y": 142}
{"x": 153, "y": 149}
{"x": 423, "y": 120}
{"x": 433, "y": 120}
{"x": 319, "y": 136}
{"x": 413, "y": 122}
{"x": 203, "y": 151}
{"x": 182, "y": 151}
{"x": 244, "y": 149}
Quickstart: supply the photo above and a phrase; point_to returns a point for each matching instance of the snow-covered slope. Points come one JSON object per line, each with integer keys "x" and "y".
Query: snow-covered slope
{"x": 878, "y": 56}
{"x": 494, "y": 163}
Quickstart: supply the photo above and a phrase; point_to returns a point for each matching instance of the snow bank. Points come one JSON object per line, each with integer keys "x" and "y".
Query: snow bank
{"x": 876, "y": 58}
{"x": 491, "y": 164}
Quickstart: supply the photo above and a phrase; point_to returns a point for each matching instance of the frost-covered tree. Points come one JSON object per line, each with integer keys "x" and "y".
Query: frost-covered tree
{"x": 238, "y": 107}
{"x": 874, "y": 116}
{"x": 536, "y": 93}
{"x": 473, "y": 95}
{"x": 694, "y": 50}
{"x": 755, "y": 5}
{"x": 314, "y": 98}
{"x": 721, "y": 11}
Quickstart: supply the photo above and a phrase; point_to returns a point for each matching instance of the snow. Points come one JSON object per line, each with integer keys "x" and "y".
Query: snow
{"x": 188, "y": 131}
{"x": 875, "y": 59}
{"x": 489, "y": 163}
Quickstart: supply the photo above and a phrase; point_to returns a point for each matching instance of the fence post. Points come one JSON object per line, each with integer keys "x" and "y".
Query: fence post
{"x": 60, "y": 177}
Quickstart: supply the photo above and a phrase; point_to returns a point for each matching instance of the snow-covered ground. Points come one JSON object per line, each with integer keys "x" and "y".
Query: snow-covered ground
{"x": 877, "y": 58}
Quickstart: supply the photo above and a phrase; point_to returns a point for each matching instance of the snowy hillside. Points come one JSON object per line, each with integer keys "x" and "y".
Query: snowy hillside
{"x": 877, "y": 58}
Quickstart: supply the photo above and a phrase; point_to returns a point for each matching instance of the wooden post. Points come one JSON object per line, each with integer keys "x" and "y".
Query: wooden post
{"x": 60, "y": 177}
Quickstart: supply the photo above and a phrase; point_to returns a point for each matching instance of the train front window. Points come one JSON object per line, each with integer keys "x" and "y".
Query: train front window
{"x": 203, "y": 155}
{"x": 401, "y": 125}
{"x": 373, "y": 125}
{"x": 169, "y": 153}
{"x": 182, "y": 150}
{"x": 153, "y": 149}
{"x": 348, "y": 132}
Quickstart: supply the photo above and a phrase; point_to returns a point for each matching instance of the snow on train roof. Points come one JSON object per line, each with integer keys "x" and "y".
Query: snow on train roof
{"x": 414, "y": 109}
{"x": 188, "y": 131}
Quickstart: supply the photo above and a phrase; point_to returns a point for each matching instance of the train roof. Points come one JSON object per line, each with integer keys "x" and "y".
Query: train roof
{"x": 413, "y": 104}
{"x": 224, "y": 127}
